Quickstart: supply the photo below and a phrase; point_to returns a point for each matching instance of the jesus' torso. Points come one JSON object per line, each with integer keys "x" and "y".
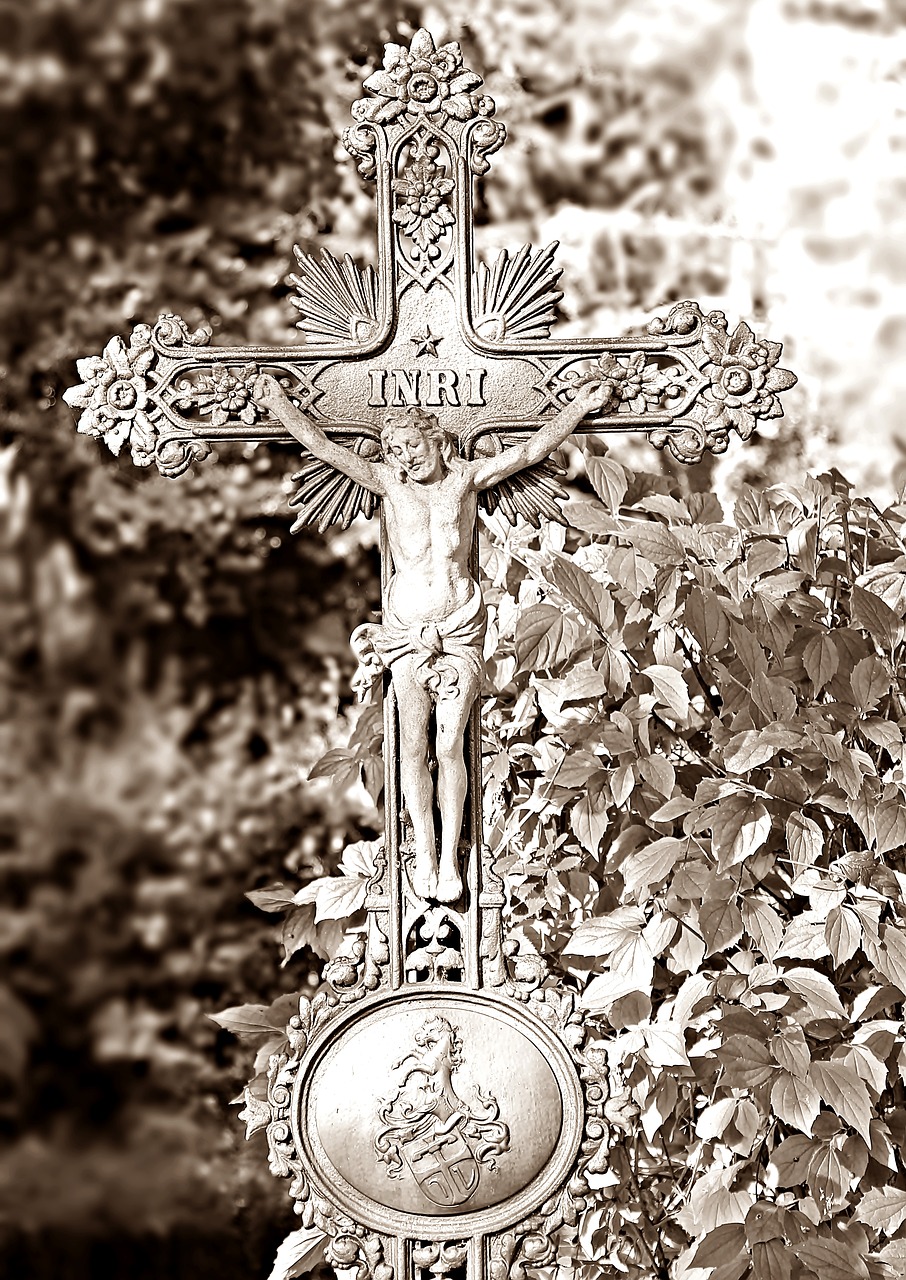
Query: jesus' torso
{"x": 429, "y": 529}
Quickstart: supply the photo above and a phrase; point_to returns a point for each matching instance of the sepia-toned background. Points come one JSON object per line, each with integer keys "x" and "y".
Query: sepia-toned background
{"x": 171, "y": 662}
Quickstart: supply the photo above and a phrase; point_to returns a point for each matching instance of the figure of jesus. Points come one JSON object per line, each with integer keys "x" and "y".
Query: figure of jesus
{"x": 431, "y": 637}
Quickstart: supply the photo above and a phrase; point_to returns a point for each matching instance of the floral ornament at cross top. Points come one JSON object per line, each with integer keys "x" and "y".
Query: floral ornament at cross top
{"x": 423, "y": 213}
{"x": 423, "y": 81}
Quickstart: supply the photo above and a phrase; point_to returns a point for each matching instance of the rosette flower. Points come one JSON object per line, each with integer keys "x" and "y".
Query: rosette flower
{"x": 744, "y": 378}
{"x": 423, "y": 214}
{"x": 637, "y": 383}
{"x": 113, "y": 396}
{"x": 225, "y": 394}
{"x": 422, "y": 80}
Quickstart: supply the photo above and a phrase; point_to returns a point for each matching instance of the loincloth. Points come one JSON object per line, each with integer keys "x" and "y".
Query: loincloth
{"x": 459, "y": 636}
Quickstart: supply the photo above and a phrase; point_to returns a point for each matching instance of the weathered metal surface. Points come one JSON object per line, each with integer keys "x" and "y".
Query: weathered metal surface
{"x": 436, "y": 1111}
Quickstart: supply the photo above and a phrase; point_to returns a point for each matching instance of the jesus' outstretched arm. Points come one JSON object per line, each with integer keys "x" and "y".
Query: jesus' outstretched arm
{"x": 542, "y": 443}
{"x": 268, "y": 392}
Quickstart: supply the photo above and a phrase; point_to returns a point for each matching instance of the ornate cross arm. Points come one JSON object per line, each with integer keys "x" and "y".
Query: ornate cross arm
{"x": 430, "y": 328}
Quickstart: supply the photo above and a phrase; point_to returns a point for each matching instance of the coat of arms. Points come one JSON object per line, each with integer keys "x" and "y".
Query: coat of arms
{"x": 427, "y": 1129}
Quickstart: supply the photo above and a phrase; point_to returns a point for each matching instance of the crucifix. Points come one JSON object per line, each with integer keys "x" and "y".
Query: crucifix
{"x": 436, "y": 1110}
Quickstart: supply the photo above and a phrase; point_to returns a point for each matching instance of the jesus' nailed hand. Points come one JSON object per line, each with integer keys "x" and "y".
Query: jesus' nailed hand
{"x": 432, "y": 634}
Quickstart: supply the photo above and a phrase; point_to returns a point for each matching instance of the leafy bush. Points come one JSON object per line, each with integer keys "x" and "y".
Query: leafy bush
{"x": 694, "y": 786}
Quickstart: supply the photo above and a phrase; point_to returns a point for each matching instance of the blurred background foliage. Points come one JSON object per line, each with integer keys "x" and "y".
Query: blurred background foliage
{"x": 172, "y": 662}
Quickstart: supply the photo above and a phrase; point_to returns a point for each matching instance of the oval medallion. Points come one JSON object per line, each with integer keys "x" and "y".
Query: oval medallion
{"x": 432, "y": 1105}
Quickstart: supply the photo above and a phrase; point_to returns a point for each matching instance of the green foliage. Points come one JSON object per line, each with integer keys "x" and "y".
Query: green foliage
{"x": 694, "y": 734}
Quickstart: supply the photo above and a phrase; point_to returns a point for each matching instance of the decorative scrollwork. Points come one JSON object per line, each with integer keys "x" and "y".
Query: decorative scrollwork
{"x": 350, "y": 1243}
{"x": 172, "y": 331}
{"x": 361, "y": 141}
{"x": 486, "y": 137}
{"x": 353, "y": 976}
{"x": 439, "y": 958}
{"x": 439, "y": 1259}
{"x": 175, "y": 454}
{"x": 120, "y": 396}
{"x": 610, "y": 1110}
{"x": 533, "y": 1243}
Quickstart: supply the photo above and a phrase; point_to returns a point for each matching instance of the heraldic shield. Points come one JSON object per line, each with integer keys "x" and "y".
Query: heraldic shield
{"x": 442, "y": 1139}
{"x": 442, "y": 1163}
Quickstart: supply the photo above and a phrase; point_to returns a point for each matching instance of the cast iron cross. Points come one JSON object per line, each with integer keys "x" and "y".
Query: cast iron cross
{"x": 431, "y": 385}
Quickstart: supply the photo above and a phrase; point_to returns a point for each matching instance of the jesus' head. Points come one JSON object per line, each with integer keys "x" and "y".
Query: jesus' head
{"x": 417, "y": 445}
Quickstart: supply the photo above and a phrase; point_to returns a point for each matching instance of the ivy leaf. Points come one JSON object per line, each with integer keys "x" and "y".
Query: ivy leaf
{"x": 678, "y": 807}
{"x": 299, "y": 1253}
{"x": 608, "y": 480}
{"x": 771, "y": 1260}
{"x": 339, "y": 896}
{"x": 659, "y": 773}
{"x": 589, "y": 821}
{"x": 763, "y": 924}
{"x": 804, "y": 937}
{"x": 720, "y": 1245}
{"x": 882, "y": 733}
{"x": 890, "y": 824}
{"x": 246, "y": 1019}
{"x": 843, "y": 933}
{"x": 656, "y": 543}
{"x": 805, "y": 842}
{"x": 883, "y": 1209}
{"x": 870, "y": 682}
{"x": 651, "y": 864}
{"x": 276, "y": 897}
{"x": 670, "y": 688}
{"x": 545, "y": 637}
{"x": 821, "y": 660}
{"x": 796, "y": 1102}
{"x": 298, "y": 931}
{"x": 582, "y": 591}
{"x": 341, "y": 765}
{"x": 890, "y": 956}
{"x": 747, "y": 1062}
{"x": 877, "y": 617}
{"x": 790, "y": 1049}
{"x": 706, "y": 619}
{"x": 829, "y": 1177}
{"x": 748, "y": 750}
{"x": 845, "y": 1093}
{"x": 818, "y": 992}
{"x": 739, "y": 826}
{"x": 831, "y": 1259}
{"x": 793, "y": 1156}
{"x": 720, "y": 923}
{"x": 603, "y": 934}
{"x": 714, "y": 1118}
